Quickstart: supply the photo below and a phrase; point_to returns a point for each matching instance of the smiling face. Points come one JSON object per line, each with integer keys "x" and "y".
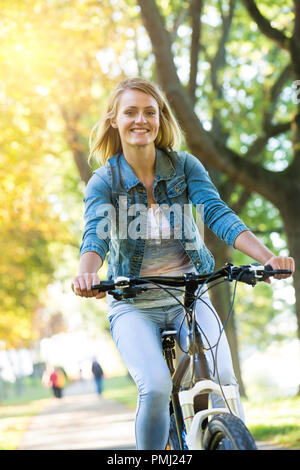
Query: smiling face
{"x": 137, "y": 119}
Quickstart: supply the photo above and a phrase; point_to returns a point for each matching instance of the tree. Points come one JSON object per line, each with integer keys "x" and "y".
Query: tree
{"x": 29, "y": 227}
{"x": 245, "y": 165}
{"x": 33, "y": 233}
{"x": 47, "y": 116}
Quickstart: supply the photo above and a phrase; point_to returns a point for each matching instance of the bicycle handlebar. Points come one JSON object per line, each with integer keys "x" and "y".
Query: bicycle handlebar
{"x": 248, "y": 274}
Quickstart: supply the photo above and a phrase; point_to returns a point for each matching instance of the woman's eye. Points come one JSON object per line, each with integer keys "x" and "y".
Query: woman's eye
{"x": 148, "y": 113}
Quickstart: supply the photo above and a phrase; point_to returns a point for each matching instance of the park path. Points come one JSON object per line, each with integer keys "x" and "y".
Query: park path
{"x": 82, "y": 420}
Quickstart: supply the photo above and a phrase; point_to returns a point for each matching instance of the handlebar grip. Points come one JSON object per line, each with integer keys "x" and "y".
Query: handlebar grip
{"x": 271, "y": 272}
{"x": 268, "y": 267}
{"x": 103, "y": 287}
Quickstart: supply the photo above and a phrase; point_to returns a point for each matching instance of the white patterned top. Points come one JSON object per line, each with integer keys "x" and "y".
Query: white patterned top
{"x": 163, "y": 256}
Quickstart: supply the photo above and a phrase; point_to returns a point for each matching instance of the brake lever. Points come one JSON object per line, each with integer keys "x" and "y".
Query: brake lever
{"x": 248, "y": 273}
{"x": 126, "y": 293}
{"x": 254, "y": 272}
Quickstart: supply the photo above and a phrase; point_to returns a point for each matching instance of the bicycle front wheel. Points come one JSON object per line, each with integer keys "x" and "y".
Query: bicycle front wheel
{"x": 227, "y": 432}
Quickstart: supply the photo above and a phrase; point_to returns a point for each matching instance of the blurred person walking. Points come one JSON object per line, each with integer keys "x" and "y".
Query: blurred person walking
{"x": 54, "y": 378}
{"x": 98, "y": 375}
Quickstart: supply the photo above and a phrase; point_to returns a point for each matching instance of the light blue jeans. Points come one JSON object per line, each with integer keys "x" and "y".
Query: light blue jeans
{"x": 137, "y": 335}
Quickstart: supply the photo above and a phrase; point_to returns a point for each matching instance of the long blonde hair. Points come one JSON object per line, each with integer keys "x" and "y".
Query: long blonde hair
{"x": 107, "y": 142}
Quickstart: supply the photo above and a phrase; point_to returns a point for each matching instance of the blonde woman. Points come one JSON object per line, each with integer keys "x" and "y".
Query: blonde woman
{"x": 133, "y": 212}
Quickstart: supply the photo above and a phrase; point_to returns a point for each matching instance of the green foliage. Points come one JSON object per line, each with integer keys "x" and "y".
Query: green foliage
{"x": 29, "y": 225}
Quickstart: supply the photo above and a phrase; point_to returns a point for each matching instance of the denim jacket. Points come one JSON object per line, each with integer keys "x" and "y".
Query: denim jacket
{"x": 116, "y": 211}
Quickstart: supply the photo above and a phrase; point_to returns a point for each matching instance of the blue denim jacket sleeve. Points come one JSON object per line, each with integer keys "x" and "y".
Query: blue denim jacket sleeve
{"x": 217, "y": 215}
{"x": 97, "y": 197}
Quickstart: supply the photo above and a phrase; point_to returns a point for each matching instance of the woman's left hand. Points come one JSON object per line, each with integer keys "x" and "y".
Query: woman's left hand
{"x": 282, "y": 262}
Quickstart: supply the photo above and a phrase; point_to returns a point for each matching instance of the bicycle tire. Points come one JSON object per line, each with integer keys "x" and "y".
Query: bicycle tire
{"x": 227, "y": 432}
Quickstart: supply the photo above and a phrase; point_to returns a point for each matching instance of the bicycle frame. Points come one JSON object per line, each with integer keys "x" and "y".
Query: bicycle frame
{"x": 191, "y": 405}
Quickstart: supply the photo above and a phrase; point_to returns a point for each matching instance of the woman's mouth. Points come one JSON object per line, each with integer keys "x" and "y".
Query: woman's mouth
{"x": 139, "y": 131}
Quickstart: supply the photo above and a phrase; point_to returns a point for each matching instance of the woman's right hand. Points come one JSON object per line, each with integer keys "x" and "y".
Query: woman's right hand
{"x": 81, "y": 285}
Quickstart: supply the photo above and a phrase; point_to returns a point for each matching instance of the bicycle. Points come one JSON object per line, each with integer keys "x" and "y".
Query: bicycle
{"x": 194, "y": 423}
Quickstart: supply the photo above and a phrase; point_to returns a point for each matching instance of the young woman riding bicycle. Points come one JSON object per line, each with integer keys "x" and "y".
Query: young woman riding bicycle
{"x": 138, "y": 209}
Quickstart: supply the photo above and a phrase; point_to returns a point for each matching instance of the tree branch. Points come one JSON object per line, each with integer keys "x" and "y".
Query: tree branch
{"x": 195, "y": 13}
{"x": 218, "y": 63}
{"x": 180, "y": 18}
{"x": 260, "y": 143}
{"x": 295, "y": 53}
{"x": 295, "y": 42}
{"x": 161, "y": 43}
{"x": 265, "y": 26}
{"x": 77, "y": 148}
{"x": 243, "y": 199}
{"x": 254, "y": 151}
{"x": 274, "y": 94}
{"x": 296, "y": 34}
{"x": 219, "y": 60}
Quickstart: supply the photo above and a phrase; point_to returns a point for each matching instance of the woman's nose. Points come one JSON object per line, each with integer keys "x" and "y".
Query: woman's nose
{"x": 140, "y": 118}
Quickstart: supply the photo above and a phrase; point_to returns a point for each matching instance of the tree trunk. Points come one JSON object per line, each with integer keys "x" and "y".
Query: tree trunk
{"x": 292, "y": 227}
{"x": 77, "y": 148}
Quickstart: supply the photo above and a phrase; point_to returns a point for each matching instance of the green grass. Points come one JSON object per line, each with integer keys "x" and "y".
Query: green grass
{"x": 121, "y": 389}
{"x": 276, "y": 421}
{"x": 32, "y": 389}
{"x": 16, "y": 411}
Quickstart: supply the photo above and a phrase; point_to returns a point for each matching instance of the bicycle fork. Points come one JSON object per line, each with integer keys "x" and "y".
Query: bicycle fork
{"x": 194, "y": 400}
{"x": 184, "y": 411}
